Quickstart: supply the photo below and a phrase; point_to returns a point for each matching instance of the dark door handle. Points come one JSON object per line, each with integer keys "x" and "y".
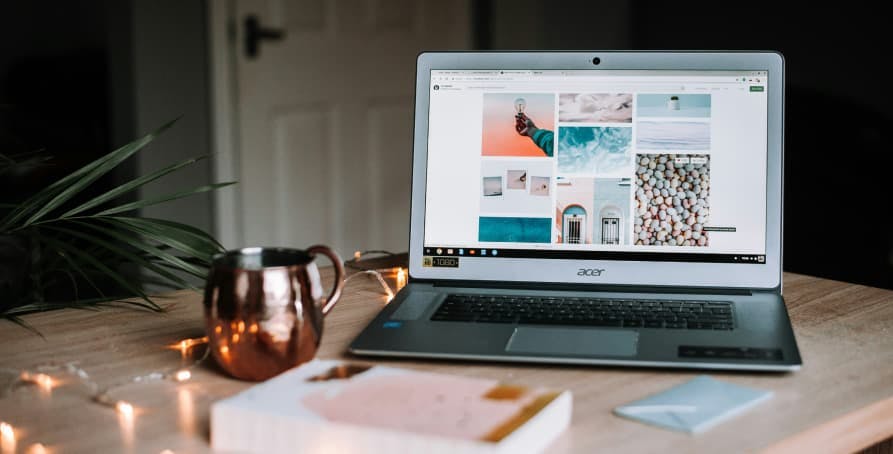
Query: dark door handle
{"x": 255, "y": 33}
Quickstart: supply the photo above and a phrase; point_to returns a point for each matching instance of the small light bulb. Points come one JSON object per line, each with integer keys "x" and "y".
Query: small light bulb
{"x": 253, "y": 328}
{"x": 520, "y": 105}
{"x": 44, "y": 381}
{"x": 241, "y": 327}
{"x": 7, "y": 437}
{"x": 224, "y": 349}
{"x": 124, "y": 408}
{"x": 401, "y": 278}
{"x": 183, "y": 375}
{"x": 236, "y": 338}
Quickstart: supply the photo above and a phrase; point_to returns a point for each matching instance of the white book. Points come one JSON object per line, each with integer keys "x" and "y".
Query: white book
{"x": 337, "y": 407}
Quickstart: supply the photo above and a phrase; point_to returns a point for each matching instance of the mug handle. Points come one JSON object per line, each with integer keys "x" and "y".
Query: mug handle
{"x": 339, "y": 274}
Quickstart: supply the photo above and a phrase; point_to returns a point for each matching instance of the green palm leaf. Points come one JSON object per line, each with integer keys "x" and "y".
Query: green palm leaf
{"x": 129, "y": 186}
{"x": 167, "y": 198}
{"x": 172, "y": 234}
{"x": 61, "y": 191}
{"x": 108, "y": 272}
{"x": 135, "y": 242}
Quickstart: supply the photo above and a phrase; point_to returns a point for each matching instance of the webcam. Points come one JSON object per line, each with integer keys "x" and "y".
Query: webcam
{"x": 596, "y": 60}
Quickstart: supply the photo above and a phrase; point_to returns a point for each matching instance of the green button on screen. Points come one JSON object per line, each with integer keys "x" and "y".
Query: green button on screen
{"x": 756, "y": 88}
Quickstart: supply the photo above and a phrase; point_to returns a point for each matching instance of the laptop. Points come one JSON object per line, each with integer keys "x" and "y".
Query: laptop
{"x": 595, "y": 208}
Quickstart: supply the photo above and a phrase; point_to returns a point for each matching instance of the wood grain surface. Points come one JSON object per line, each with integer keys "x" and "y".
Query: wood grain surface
{"x": 841, "y": 401}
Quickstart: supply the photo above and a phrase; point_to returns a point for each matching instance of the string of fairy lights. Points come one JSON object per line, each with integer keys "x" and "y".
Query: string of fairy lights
{"x": 47, "y": 376}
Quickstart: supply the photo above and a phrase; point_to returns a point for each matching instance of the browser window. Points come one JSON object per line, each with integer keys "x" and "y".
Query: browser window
{"x": 598, "y": 164}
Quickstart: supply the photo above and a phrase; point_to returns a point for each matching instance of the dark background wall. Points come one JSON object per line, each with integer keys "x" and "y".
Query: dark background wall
{"x": 78, "y": 78}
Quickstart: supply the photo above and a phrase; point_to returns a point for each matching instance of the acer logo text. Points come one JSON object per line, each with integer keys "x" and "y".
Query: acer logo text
{"x": 590, "y": 272}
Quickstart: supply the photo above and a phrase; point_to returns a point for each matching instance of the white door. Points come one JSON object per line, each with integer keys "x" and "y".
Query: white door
{"x": 322, "y": 119}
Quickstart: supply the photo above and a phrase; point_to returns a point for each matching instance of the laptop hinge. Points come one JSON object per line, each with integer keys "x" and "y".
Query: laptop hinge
{"x": 588, "y": 287}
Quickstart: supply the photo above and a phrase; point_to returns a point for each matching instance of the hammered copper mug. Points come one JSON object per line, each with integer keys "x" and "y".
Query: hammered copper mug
{"x": 264, "y": 309}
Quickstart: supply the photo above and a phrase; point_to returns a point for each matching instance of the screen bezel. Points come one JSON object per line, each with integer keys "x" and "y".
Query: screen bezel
{"x": 616, "y": 272}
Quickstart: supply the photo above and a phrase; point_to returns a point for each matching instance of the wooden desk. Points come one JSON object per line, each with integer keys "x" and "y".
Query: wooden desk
{"x": 841, "y": 401}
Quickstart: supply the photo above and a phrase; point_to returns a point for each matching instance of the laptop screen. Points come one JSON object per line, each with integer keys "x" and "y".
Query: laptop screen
{"x": 649, "y": 165}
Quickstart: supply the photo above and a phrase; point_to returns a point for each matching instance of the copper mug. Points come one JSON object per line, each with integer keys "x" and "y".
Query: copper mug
{"x": 264, "y": 309}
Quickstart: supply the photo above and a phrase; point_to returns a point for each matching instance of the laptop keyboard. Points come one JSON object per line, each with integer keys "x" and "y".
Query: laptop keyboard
{"x": 625, "y": 313}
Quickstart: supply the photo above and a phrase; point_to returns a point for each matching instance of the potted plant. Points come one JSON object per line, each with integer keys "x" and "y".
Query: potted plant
{"x": 52, "y": 239}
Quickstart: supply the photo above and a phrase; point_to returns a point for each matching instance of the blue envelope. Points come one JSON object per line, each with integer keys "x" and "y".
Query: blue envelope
{"x": 694, "y": 406}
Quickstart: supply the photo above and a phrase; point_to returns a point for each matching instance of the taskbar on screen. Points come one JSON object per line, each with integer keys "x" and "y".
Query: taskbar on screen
{"x": 452, "y": 251}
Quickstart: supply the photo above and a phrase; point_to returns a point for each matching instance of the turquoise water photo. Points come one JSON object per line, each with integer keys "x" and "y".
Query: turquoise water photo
{"x": 594, "y": 151}
{"x": 514, "y": 230}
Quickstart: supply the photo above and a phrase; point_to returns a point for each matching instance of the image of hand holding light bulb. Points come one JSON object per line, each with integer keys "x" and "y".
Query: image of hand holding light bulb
{"x": 543, "y": 138}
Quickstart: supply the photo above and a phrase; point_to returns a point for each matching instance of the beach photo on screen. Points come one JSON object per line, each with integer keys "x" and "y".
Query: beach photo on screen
{"x": 673, "y": 105}
{"x": 518, "y": 124}
{"x": 673, "y": 135}
{"x": 492, "y": 186}
{"x": 595, "y": 107}
{"x": 594, "y": 151}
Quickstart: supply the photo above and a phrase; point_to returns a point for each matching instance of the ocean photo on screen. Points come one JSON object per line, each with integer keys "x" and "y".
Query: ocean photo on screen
{"x": 673, "y": 105}
{"x": 601, "y": 151}
{"x": 514, "y": 230}
{"x": 673, "y": 135}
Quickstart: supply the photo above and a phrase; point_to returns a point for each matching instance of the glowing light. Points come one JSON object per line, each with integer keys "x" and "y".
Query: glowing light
{"x": 186, "y": 411}
{"x": 241, "y": 328}
{"x": 43, "y": 380}
{"x": 357, "y": 255}
{"x": 166, "y": 451}
{"x": 183, "y": 375}
{"x": 253, "y": 328}
{"x": 36, "y": 448}
{"x": 186, "y": 344}
{"x": 401, "y": 278}
{"x": 224, "y": 349}
{"x": 218, "y": 329}
{"x": 125, "y": 421}
{"x": 124, "y": 408}
{"x": 7, "y": 437}
{"x": 236, "y": 338}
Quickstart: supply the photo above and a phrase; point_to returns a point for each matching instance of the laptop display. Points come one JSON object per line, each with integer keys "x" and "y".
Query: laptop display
{"x": 617, "y": 166}
{"x": 621, "y": 165}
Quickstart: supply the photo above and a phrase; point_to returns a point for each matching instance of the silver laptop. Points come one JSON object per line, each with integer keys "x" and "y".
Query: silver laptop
{"x": 600, "y": 208}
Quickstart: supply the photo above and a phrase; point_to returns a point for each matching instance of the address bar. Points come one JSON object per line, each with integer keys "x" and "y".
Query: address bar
{"x": 574, "y": 86}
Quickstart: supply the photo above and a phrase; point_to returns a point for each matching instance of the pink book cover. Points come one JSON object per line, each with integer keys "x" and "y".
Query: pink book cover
{"x": 401, "y": 400}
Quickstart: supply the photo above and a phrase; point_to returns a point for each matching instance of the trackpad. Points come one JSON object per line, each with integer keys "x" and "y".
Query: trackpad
{"x": 573, "y": 342}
